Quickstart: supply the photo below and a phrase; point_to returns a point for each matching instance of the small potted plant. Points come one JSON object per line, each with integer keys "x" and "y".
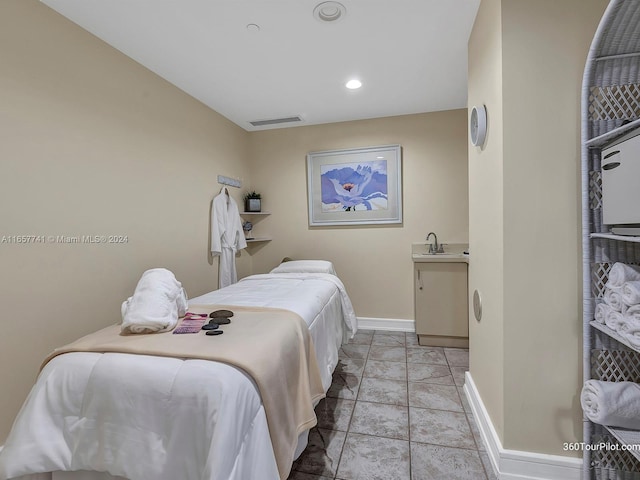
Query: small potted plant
{"x": 252, "y": 202}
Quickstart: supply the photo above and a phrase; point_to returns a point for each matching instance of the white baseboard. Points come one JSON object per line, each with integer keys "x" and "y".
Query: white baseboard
{"x": 515, "y": 464}
{"x": 391, "y": 324}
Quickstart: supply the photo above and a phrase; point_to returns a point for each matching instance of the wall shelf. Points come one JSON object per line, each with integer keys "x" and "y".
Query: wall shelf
{"x": 258, "y": 239}
{"x": 255, "y": 217}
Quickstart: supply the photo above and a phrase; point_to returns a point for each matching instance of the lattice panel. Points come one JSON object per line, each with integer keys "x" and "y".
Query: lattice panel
{"x": 599, "y": 277}
{"x": 615, "y": 102}
{"x": 595, "y": 190}
{"x": 600, "y": 271}
{"x": 615, "y": 365}
{"x": 612, "y": 464}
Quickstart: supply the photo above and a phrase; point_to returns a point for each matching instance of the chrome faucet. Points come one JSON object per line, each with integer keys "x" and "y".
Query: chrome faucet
{"x": 434, "y": 248}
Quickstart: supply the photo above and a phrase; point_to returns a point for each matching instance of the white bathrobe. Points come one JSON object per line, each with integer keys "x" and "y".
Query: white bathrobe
{"x": 227, "y": 236}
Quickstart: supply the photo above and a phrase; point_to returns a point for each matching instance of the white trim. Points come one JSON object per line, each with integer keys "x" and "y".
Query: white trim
{"x": 391, "y": 324}
{"x": 515, "y": 464}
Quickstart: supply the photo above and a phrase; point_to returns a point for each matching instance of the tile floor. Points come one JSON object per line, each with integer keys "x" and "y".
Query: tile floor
{"x": 395, "y": 411}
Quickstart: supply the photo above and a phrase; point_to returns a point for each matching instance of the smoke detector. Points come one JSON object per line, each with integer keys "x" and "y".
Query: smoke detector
{"x": 329, "y": 11}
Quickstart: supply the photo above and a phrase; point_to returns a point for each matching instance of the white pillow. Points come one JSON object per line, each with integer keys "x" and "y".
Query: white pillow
{"x": 305, "y": 266}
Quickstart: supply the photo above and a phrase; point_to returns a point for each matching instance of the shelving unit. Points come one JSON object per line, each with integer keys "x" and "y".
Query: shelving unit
{"x": 600, "y": 140}
{"x": 256, "y": 217}
{"x": 618, "y": 238}
{"x": 610, "y": 109}
{"x": 611, "y": 333}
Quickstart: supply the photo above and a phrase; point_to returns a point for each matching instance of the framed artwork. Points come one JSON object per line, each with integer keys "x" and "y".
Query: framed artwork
{"x": 359, "y": 186}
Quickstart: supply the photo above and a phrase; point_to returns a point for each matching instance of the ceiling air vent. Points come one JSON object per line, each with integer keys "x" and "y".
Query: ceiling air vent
{"x": 275, "y": 121}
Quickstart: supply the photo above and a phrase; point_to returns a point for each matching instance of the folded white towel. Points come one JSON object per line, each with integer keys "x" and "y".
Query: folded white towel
{"x": 602, "y": 310}
{"x": 631, "y": 292}
{"x": 613, "y": 298}
{"x": 157, "y": 303}
{"x": 614, "y": 320}
{"x": 616, "y": 404}
{"x": 620, "y": 273}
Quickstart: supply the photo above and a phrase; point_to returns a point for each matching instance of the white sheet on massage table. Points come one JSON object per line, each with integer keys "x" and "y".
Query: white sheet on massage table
{"x": 312, "y": 296}
{"x": 315, "y": 300}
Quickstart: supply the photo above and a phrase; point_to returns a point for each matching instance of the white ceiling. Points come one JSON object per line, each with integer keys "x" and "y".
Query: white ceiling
{"x": 411, "y": 55}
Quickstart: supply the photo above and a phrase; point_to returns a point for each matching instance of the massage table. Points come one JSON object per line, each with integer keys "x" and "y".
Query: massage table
{"x": 199, "y": 419}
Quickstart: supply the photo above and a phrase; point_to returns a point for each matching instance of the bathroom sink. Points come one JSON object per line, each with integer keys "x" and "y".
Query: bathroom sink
{"x": 454, "y": 252}
{"x": 440, "y": 257}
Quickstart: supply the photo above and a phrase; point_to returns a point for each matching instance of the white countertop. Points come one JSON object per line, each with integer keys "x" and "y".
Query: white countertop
{"x": 453, "y": 253}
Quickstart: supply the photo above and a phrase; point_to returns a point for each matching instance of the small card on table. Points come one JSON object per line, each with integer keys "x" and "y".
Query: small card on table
{"x": 191, "y": 323}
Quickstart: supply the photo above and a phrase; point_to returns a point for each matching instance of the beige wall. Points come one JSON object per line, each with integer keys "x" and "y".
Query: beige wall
{"x": 542, "y": 216}
{"x": 543, "y": 47}
{"x": 92, "y": 143}
{"x": 373, "y": 261}
{"x": 486, "y": 225}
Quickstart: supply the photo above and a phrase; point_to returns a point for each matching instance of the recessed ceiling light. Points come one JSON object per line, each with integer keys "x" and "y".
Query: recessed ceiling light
{"x": 253, "y": 27}
{"x": 353, "y": 84}
{"x": 329, "y": 11}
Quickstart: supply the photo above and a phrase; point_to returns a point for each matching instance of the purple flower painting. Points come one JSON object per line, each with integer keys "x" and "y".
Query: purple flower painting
{"x": 354, "y": 186}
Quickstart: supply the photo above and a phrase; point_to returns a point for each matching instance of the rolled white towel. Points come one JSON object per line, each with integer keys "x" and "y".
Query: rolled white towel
{"x": 155, "y": 304}
{"x": 614, "y": 320}
{"x": 631, "y": 292}
{"x": 620, "y": 273}
{"x": 630, "y": 331}
{"x": 613, "y": 298}
{"x": 602, "y": 310}
{"x": 633, "y": 312}
{"x": 615, "y": 404}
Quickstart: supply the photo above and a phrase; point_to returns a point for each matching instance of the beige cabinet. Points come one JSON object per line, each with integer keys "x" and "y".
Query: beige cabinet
{"x": 441, "y": 304}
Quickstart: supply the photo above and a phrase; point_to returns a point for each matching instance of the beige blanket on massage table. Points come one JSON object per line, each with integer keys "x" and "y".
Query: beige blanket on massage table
{"x": 272, "y": 345}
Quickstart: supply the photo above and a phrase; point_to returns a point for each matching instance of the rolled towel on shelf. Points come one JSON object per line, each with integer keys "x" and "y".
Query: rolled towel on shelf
{"x": 614, "y": 320}
{"x": 621, "y": 273}
{"x": 613, "y": 298}
{"x": 630, "y": 331}
{"x": 602, "y": 310}
{"x": 633, "y": 312}
{"x": 631, "y": 292}
{"x": 616, "y": 404}
{"x": 157, "y": 303}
